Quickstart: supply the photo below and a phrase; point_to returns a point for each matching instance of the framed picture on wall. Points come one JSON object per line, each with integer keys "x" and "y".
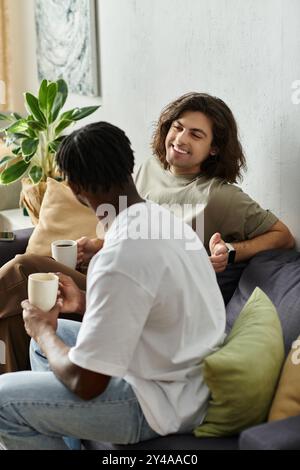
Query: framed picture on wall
{"x": 67, "y": 43}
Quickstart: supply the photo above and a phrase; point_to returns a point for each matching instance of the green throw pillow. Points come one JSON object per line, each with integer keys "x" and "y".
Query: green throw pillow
{"x": 243, "y": 374}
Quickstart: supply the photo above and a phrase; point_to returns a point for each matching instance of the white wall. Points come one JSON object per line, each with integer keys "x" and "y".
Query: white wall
{"x": 246, "y": 52}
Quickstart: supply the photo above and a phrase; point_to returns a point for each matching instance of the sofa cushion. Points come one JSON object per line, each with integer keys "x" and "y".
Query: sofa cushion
{"x": 228, "y": 280}
{"x": 62, "y": 217}
{"x": 279, "y": 435}
{"x": 286, "y": 402}
{"x": 171, "y": 442}
{"x": 9, "y": 194}
{"x": 277, "y": 273}
{"x": 243, "y": 373}
{"x": 8, "y": 250}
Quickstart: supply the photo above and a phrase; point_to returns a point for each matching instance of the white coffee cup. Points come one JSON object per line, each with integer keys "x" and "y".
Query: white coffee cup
{"x": 65, "y": 252}
{"x": 42, "y": 290}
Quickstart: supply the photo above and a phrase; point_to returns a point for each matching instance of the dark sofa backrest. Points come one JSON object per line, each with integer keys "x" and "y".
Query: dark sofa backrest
{"x": 277, "y": 273}
{"x": 8, "y": 250}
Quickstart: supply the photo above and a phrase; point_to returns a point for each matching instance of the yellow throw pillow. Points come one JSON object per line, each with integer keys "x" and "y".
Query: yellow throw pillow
{"x": 242, "y": 375}
{"x": 287, "y": 398}
{"x": 61, "y": 217}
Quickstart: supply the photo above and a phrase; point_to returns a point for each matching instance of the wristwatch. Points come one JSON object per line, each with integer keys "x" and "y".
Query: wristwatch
{"x": 231, "y": 253}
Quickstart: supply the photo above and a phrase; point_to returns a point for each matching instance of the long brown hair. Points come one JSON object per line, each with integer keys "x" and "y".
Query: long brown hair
{"x": 230, "y": 160}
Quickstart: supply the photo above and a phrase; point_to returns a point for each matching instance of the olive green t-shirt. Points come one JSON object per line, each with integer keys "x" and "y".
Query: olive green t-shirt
{"x": 208, "y": 205}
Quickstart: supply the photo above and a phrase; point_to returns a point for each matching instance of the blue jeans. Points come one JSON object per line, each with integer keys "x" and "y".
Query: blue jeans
{"x": 37, "y": 410}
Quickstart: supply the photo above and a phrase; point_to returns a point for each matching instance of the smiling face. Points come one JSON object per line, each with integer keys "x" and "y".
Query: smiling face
{"x": 189, "y": 143}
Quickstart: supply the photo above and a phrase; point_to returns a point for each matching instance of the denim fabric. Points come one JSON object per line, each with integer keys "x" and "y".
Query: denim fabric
{"x": 37, "y": 410}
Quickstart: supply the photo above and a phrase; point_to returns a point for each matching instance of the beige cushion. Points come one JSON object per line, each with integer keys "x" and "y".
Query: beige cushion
{"x": 61, "y": 217}
{"x": 9, "y": 195}
{"x": 286, "y": 402}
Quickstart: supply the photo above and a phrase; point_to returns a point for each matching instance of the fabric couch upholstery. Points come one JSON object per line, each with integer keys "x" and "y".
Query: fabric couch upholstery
{"x": 9, "y": 249}
{"x": 277, "y": 273}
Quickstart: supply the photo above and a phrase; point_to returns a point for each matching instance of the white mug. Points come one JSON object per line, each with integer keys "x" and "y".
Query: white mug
{"x": 42, "y": 290}
{"x": 65, "y": 252}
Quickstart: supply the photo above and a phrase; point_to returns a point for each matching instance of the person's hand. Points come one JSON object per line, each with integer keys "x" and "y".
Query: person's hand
{"x": 219, "y": 253}
{"x": 36, "y": 320}
{"x": 86, "y": 249}
{"x": 71, "y": 298}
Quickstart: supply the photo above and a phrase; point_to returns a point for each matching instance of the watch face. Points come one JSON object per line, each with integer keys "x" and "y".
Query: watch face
{"x": 231, "y": 256}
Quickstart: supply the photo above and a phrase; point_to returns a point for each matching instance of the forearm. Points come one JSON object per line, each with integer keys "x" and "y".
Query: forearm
{"x": 84, "y": 383}
{"x": 57, "y": 352}
{"x": 98, "y": 244}
{"x": 81, "y": 304}
{"x": 270, "y": 240}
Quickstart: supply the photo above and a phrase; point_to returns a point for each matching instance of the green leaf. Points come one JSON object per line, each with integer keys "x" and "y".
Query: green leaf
{"x": 32, "y": 133}
{"x": 68, "y": 114}
{"x": 81, "y": 113}
{"x": 29, "y": 147}
{"x": 55, "y": 144}
{"x": 32, "y": 106}
{"x": 18, "y": 127}
{"x": 13, "y": 172}
{"x": 5, "y": 159}
{"x": 57, "y": 105}
{"x": 43, "y": 96}
{"x": 10, "y": 117}
{"x": 29, "y": 158}
{"x": 62, "y": 125}
{"x": 61, "y": 97}
{"x": 17, "y": 151}
{"x": 62, "y": 88}
{"x": 36, "y": 174}
{"x": 51, "y": 95}
{"x": 16, "y": 116}
{"x": 38, "y": 126}
{"x": 14, "y": 137}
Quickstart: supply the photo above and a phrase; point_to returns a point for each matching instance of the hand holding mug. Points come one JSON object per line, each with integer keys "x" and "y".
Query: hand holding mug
{"x": 71, "y": 298}
{"x": 65, "y": 252}
{"x": 42, "y": 290}
{"x": 86, "y": 249}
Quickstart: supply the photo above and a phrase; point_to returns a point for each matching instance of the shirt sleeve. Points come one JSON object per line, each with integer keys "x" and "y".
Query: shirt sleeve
{"x": 140, "y": 175}
{"x": 243, "y": 218}
{"x": 117, "y": 310}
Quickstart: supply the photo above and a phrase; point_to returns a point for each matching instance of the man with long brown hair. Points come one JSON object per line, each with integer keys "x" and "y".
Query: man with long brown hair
{"x": 197, "y": 158}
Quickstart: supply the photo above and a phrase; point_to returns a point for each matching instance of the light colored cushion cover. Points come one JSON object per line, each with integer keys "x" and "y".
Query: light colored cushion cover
{"x": 61, "y": 217}
{"x": 9, "y": 194}
{"x": 243, "y": 373}
{"x": 286, "y": 402}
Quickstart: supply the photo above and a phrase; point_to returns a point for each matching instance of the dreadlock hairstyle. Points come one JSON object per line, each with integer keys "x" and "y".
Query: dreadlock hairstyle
{"x": 230, "y": 159}
{"x": 96, "y": 157}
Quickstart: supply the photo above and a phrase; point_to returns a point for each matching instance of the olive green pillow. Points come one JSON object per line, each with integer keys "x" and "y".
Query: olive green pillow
{"x": 243, "y": 374}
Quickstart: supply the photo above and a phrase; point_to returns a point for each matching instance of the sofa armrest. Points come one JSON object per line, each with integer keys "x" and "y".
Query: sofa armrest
{"x": 9, "y": 250}
{"x": 276, "y": 435}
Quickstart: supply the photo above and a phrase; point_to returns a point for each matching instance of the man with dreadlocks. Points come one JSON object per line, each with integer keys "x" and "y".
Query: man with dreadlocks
{"x": 132, "y": 369}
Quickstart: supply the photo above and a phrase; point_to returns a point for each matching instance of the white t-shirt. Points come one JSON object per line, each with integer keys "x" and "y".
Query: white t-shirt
{"x": 154, "y": 311}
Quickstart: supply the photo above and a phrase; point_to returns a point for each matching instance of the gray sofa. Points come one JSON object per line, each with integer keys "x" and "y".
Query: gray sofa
{"x": 277, "y": 273}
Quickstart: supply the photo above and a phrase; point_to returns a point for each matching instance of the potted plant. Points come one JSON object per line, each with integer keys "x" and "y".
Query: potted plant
{"x": 34, "y": 140}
